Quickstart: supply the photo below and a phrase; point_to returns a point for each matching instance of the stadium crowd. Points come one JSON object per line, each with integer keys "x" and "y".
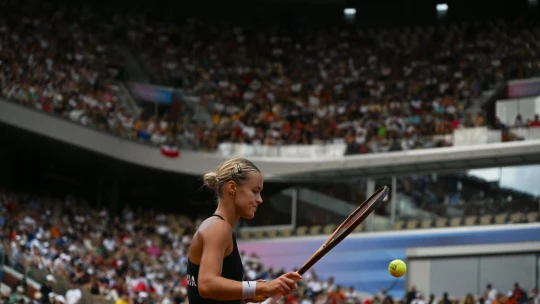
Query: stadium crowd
{"x": 136, "y": 257}
{"x": 374, "y": 89}
{"x": 59, "y": 61}
{"x": 491, "y": 295}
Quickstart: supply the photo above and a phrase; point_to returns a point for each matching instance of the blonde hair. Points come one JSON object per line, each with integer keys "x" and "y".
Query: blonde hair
{"x": 235, "y": 169}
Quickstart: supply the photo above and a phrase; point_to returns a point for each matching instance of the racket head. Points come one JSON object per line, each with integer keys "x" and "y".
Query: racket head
{"x": 347, "y": 226}
{"x": 360, "y": 213}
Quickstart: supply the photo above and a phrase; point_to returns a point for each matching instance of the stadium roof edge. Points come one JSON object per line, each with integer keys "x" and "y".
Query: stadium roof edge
{"x": 275, "y": 169}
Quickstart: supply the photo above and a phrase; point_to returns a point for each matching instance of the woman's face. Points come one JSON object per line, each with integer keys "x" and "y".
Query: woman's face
{"x": 248, "y": 195}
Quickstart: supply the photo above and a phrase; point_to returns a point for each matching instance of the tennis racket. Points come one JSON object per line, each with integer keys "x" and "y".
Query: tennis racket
{"x": 348, "y": 226}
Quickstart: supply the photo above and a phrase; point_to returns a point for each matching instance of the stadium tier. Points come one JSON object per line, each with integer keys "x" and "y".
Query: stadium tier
{"x": 68, "y": 249}
{"x": 376, "y": 90}
{"x": 370, "y": 90}
{"x": 111, "y": 113}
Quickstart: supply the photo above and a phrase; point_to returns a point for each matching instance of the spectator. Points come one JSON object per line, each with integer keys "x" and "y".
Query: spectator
{"x": 411, "y": 295}
{"x": 511, "y": 298}
{"x": 445, "y": 299}
{"x": 491, "y": 293}
{"x": 383, "y": 293}
{"x": 535, "y": 122}
{"x": 499, "y": 125}
{"x": 519, "y": 122}
{"x": 336, "y": 295}
{"x": 59, "y": 299}
{"x": 479, "y": 120}
{"x": 535, "y": 296}
{"x": 315, "y": 286}
{"x": 74, "y": 294}
{"x": 124, "y": 299}
{"x": 518, "y": 293}
{"x": 350, "y": 295}
{"x": 46, "y": 288}
{"x": 38, "y": 298}
{"x": 17, "y": 296}
{"x": 419, "y": 299}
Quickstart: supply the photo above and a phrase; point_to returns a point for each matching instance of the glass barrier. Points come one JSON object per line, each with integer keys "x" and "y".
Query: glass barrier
{"x": 328, "y": 203}
{"x": 474, "y": 197}
{"x": 484, "y": 196}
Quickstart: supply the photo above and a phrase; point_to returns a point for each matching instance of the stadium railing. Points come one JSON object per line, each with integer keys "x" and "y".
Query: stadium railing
{"x": 197, "y": 163}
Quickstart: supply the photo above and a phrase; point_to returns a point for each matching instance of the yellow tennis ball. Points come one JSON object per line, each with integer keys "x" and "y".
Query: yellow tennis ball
{"x": 397, "y": 268}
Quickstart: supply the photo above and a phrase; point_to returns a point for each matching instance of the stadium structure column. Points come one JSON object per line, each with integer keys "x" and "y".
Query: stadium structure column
{"x": 294, "y": 206}
{"x": 370, "y": 189}
{"x": 393, "y": 200}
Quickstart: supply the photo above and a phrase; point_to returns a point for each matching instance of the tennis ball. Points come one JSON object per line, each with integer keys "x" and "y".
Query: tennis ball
{"x": 397, "y": 268}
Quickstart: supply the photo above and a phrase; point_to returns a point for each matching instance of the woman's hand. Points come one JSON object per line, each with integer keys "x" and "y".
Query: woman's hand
{"x": 281, "y": 286}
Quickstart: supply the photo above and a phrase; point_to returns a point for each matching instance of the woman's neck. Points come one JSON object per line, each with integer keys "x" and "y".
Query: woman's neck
{"x": 226, "y": 210}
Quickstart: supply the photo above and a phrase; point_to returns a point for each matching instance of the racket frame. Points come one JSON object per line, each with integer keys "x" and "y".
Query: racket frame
{"x": 373, "y": 202}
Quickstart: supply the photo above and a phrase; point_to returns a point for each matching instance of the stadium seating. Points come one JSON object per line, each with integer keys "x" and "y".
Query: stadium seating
{"x": 370, "y": 102}
{"x": 53, "y": 238}
{"x": 56, "y": 242}
{"x": 410, "y": 224}
{"x": 375, "y": 90}
{"x": 60, "y": 65}
{"x": 298, "y": 90}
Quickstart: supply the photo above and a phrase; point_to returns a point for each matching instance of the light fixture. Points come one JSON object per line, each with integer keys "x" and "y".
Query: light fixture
{"x": 442, "y": 7}
{"x": 349, "y": 11}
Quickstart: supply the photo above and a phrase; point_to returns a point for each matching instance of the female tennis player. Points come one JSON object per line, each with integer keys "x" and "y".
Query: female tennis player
{"x": 215, "y": 271}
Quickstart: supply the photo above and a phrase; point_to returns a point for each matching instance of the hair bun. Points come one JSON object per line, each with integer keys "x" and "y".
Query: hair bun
{"x": 210, "y": 180}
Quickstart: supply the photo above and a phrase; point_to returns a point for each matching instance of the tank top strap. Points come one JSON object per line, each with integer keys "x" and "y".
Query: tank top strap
{"x": 215, "y": 214}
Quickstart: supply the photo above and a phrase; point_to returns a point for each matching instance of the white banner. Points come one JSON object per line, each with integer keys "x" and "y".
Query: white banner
{"x": 527, "y": 133}
{"x": 289, "y": 151}
{"x": 476, "y": 136}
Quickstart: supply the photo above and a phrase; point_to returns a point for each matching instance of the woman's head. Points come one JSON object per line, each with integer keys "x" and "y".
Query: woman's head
{"x": 239, "y": 182}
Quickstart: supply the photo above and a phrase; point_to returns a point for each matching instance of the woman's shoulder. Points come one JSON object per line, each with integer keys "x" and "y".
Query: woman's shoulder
{"x": 214, "y": 226}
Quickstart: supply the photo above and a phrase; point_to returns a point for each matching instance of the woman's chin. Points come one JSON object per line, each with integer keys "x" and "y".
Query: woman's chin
{"x": 249, "y": 216}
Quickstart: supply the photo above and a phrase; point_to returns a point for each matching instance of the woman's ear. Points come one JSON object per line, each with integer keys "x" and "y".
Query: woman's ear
{"x": 231, "y": 187}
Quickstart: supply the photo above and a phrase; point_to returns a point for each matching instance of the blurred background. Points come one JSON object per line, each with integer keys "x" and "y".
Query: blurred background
{"x": 111, "y": 112}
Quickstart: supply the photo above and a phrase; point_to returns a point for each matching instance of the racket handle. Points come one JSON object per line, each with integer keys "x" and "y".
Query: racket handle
{"x": 272, "y": 300}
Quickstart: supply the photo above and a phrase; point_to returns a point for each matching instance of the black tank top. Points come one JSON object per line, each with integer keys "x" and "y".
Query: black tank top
{"x": 232, "y": 269}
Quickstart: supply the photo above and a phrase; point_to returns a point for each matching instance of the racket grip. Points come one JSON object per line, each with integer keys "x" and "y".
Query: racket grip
{"x": 272, "y": 300}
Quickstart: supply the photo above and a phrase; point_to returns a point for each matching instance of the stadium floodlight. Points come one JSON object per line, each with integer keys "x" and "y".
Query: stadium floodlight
{"x": 349, "y": 11}
{"x": 442, "y": 7}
